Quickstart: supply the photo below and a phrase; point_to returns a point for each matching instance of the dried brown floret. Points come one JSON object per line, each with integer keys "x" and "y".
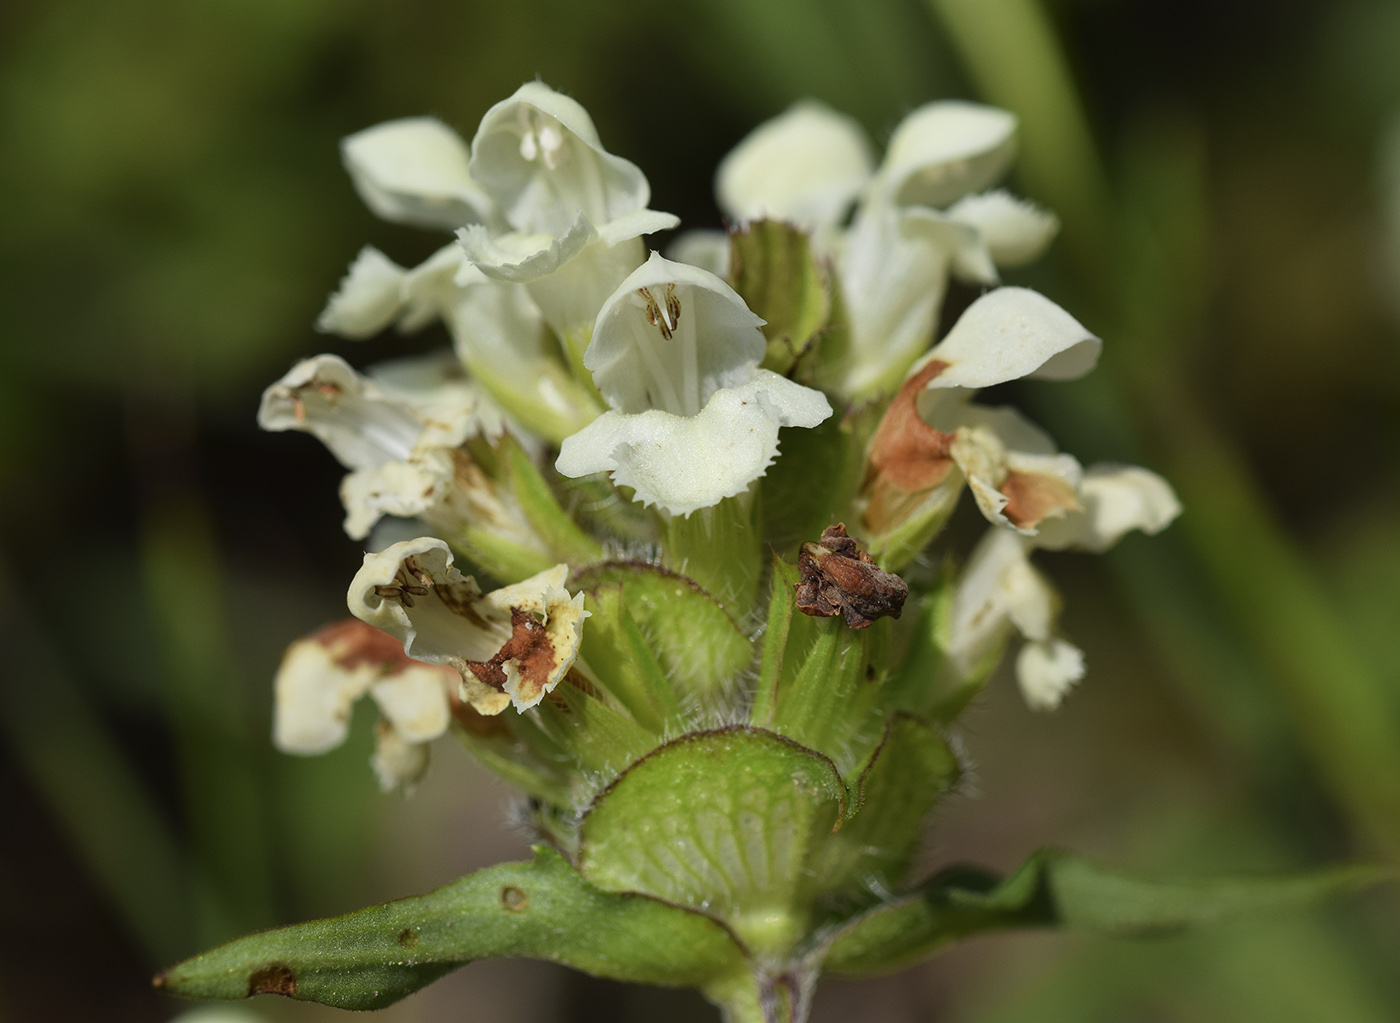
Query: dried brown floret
{"x": 840, "y": 578}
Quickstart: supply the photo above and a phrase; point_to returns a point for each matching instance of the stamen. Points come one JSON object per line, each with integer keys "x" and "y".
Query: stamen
{"x": 404, "y": 591}
{"x": 529, "y": 149}
{"x": 663, "y": 317}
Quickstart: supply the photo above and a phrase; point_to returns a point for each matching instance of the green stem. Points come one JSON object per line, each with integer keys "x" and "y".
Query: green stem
{"x": 720, "y": 548}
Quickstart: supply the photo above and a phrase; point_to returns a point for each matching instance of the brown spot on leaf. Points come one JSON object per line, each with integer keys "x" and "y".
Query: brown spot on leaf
{"x": 840, "y": 578}
{"x": 274, "y": 979}
{"x": 529, "y": 645}
{"x": 514, "y": 900}
{"x": 1034, "y": 496}
{"x": 408, "y": 938}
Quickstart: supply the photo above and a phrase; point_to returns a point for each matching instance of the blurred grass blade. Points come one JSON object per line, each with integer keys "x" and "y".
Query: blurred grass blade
{"x": 541, "y": 909}
{"x": 219, "y": 766}
{"x": 1055, "y": 888}
{"x": 90, "y": 787}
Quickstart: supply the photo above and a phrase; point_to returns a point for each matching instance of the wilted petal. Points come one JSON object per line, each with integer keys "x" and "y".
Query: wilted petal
{"x": 322, "y": 675}
{"x": 1014, "y": 230}
{"x": 365, "y": 423}
{"x": 1012, "y": 333}
{"x": 946, "y": 149}
{"x": 1115, "y": 499}
{"x": 512, "y": 645}
{"x": 805, "y": 167}
{"x": 368, "y": 299}
{"x": 397, "y": 763}
{"x": 539, "y": 156}
{"x": 414, "y": 171}
{"x": 1046, "y": 670}
{"x": 683, "y": 463}
{"x": 1018, "y": 486}
{"x": 415, "y": 701}
{"x": 404, "y": 489}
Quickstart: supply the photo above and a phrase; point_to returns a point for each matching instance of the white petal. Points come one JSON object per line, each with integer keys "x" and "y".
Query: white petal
{"x": 805, "y": 166}
{"x": 970, "y": 259}
{"x": 429, "y": 289}
{"x": 1116, "y": 499}
{"x": 361, "y": 424}
{"x": 520, "y": 257}
{"x": 1015, "y": 231}
{"x": 945, "y": 150}
{"x": 640, "y": 363}
{"x": 1047, "y": 670}
{"x": 682, "y": 463}
{"x": 368, "y": 299}
{"x": 1011, "y": 333}
{"x": 703, "y": 247}
{"x": 397, "y": 764}
{"x": 403, "y": 489}
{"x": 414, "y": 171}
{"x": 539, "y": 156}
{"x": 415, "y": 702}
{"x": 438, "y": 625}
{"x": 635, "y": 224}
{"x": 893, "y": 273}
{"x": 998, "y": 591}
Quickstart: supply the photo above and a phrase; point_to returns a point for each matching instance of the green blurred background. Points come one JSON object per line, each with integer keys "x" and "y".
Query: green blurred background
{"x": 174, "y": 213}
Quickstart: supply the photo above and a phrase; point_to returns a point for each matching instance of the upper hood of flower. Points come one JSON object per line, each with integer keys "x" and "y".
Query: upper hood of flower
{"x": 805, "y": 166}
{"x": 415, "y": 171}
{"x": 538, "y": 155}
{"x": 1012, "y": 333}
{"x": 945, "y": 150}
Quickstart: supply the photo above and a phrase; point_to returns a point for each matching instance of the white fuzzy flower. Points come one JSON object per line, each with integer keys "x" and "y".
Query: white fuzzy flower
{"x": 512, "y": 645}
{"x": 693, "y": 420}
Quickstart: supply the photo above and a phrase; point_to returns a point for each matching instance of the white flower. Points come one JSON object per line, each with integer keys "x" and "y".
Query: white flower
{"x": 415, "y": 171}
{"x": 576, "y": 211}
{"x": 398, "y": 431}
{"x": 806, "y": 167}
{"x": 1115, "y": 500}
{"x": 675, "y": 354}
{"x": 321, "y": 677}
{"x": 512, "y": 645}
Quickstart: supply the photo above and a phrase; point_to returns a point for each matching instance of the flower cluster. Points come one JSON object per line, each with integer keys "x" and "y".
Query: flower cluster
{"x": 577, "y": 354}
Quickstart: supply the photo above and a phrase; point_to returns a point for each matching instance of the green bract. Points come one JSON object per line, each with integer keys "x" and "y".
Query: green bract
{"x": 660, "y": 511}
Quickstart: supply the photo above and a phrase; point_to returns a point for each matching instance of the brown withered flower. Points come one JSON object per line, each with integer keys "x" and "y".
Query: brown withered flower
{"x": 840, "y": 578}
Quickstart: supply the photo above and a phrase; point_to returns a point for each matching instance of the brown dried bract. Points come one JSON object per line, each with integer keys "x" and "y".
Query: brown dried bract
{"x": 840, "y": 578}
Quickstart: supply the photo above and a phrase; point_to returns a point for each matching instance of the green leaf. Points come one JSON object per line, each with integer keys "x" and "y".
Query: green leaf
{"x": 547, "y": 518}
{"x": 913, "y": 768}
{"x": 1055, "y": 888}
{"x": 541, "y": 909}
{"x": 722, "y": 820}
{"x": 825, "y": 705}
{"x": 773, "y": 270}
{"x": 781, "y": 609}
{"x": 617, "y": 651}
{"x": 696, "y": 642}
